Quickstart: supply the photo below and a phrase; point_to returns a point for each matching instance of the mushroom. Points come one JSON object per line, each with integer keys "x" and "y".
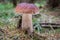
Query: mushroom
{"x": 27, "y": 10}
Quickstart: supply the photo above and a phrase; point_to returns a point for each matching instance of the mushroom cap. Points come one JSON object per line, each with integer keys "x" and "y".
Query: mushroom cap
{"x": 26, "y": 8}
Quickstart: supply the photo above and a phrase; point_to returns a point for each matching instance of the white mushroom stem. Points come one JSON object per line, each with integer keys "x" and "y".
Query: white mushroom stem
{"x": 27, "y": 22}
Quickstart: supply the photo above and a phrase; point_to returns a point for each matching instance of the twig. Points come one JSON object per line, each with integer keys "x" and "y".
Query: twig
{"x": 39, "y": 36}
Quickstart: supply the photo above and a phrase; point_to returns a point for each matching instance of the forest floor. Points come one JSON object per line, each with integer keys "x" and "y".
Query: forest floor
{"x": 16, "y": 34}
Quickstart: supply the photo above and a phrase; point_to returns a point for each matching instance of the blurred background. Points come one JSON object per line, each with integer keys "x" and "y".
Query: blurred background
{"x": 47, "y": 21}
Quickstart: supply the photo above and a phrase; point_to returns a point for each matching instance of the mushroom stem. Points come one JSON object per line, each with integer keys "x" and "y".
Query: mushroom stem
{"x": 27, "y": 23}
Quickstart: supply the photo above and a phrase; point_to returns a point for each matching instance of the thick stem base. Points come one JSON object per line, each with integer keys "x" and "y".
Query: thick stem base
{"x": 27, "y": 23}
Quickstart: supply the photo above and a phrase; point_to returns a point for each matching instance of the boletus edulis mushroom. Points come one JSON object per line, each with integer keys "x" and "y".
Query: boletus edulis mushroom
{"x": 27, "y": 10}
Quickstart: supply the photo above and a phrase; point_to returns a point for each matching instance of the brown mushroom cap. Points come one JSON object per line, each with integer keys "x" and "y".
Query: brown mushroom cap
{"x": 26, "y": 8}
